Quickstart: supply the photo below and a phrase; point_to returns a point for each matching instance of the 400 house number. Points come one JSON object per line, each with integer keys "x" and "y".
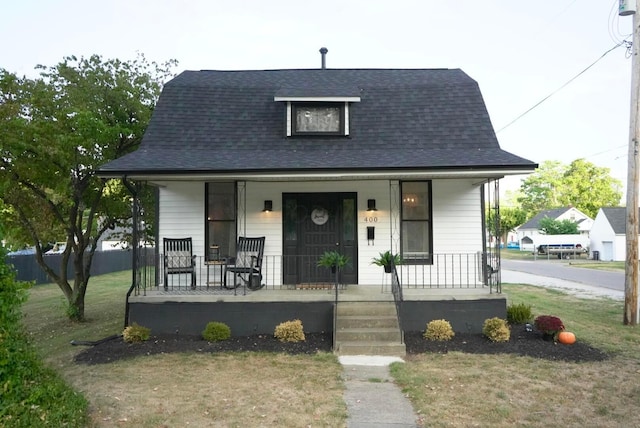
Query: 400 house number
{"x": 371, "y": 219}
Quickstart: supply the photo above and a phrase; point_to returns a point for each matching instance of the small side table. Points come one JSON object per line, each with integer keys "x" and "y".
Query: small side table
{"x": 216, "y": 264}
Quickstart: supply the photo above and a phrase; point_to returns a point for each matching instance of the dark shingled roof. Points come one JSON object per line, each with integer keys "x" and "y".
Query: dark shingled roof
{"x": 617, "y": 217}
{"x": 228, "y": 121}
{"x": 553, "y": 213}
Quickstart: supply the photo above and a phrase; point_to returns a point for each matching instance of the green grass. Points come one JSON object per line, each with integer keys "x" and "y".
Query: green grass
{"x": 597, "y": 321}
{"x": 511, "y": 254}
{"x": 506, "y": 390}
{"x": 592, "y": 264}
{"x": 442, "y": 388}
{"x": 52, "y": 331}
{"x": 214, "y": 390}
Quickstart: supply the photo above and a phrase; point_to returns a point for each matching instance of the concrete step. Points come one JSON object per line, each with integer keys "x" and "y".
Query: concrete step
{"x": 368, "y": 328}
{"x": 369, "y": 335}
{"x": 366, "y": 321}
{"x": 387, "y": 349}
{"x": 366, "y": 308}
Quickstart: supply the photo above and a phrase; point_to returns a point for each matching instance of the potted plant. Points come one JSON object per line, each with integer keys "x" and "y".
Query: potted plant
{"x": 549, "y": 325}
{"x": 333, "y": 260}
{"x": 386, "y": 259}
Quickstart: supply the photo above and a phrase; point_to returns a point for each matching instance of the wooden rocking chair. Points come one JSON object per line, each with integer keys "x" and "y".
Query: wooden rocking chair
{"x": 247, "y": 265}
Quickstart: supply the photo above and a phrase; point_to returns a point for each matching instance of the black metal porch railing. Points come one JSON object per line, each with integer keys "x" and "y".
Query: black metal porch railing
{"x": 396, "y": 290}
{"x": 447, "y": 271}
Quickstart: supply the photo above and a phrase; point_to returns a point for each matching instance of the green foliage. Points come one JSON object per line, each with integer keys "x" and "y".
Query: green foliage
{"x": 136, "y": 333}
{"x": 552, "y": 226}
{"x": 509, "y": 219}
{"x": 57, "y": 130}
{"x": 496, "y": 330}
{"x": 333, "y": 259}
{"x": 386, "y": 258}
{"x": 290, "y": 331}
{"x": 439, "y": 330}
{"x": 32, "y": 394}
{"x": 580, "y": 184}
{"x": 519, "y": 313}
{"x": 216, "y": 331}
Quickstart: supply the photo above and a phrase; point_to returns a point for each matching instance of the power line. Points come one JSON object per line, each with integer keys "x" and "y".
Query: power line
{"x": 624, "y": 42}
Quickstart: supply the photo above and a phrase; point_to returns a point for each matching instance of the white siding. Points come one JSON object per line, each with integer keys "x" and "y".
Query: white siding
{"x": 182, "y": 213}
{"x": 457, "y": 217}
{"x": 604, "y": 240}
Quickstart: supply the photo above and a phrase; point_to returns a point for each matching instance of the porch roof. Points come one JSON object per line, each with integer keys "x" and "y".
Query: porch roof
{"x": 228, "y": 122}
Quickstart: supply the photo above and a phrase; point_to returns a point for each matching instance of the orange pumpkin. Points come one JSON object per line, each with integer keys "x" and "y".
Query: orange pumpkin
{"x": 566, "y": 337}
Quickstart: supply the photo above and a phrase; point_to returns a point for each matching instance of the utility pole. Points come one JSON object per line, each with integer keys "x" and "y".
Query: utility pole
{"x": 631, "y": 262}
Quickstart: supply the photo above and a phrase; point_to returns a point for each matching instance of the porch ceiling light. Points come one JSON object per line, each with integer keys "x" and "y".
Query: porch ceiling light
{"x": 371, "y": 205}
{"x": 268, "y": 206}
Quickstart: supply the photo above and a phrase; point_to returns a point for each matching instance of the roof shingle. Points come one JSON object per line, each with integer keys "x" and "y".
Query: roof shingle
{"x": 217, "y": 121}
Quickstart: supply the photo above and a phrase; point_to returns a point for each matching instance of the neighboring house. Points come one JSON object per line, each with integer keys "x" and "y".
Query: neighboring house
{"x": 608, "y": 234}
{"x": 528, "y": 234}
{"x": 355, "y": 160}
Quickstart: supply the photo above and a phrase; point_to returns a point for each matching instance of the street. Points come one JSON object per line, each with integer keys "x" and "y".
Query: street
{"x": 558, "y": 274}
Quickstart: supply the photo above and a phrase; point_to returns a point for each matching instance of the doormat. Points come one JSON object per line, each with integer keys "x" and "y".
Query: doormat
{"x": 315, "y": 286}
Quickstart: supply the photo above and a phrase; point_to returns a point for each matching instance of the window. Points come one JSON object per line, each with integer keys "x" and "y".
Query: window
{"x": 318, "y": 119}
{"x": 221, "y": 219}
{"x": 416, "y": 229}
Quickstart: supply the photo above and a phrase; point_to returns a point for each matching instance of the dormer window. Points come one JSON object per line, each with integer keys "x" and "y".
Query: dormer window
{"x": 316, "y": 115}
{"x": 318, "y": 119}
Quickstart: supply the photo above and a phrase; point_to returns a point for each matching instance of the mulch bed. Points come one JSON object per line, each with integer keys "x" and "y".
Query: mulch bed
{"x": 522, "y": 342}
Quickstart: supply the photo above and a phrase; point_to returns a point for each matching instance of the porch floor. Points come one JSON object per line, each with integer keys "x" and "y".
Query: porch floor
{"x": 353, "y": 293}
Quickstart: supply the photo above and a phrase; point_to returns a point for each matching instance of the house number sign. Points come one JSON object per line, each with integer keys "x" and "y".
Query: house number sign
{"x": 319, "y": 216}
{"x": 371, "y": 219}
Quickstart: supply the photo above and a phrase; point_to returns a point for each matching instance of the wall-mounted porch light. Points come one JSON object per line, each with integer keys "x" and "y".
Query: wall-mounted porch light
{"x": 268, "y": 206}
{"x": 371, "y": 205}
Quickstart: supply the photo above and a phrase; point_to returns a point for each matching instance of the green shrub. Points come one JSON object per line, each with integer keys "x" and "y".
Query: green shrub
{"x": 290, "y": 331}
{"x": 519, "y": 314}
{"x": 496, "y": 329}
{"x": 136, "y": 333}
{"x": 439, "y": 330}
{"x": 32, "y": 395}
{"x": 216, "y": 331}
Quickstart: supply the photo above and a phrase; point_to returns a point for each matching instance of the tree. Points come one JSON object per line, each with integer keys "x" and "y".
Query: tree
{"x": 539, "y": 190}
{"x": 55, "y": 131}
{"x": 588, "y": 188}
{"x": 551, "y": 226}
{"x": 581, "y": 185}
{"x": 510, "y": 218}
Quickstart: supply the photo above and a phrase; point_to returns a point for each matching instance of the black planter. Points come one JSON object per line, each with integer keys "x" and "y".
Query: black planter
{"x": 387, "y": 268}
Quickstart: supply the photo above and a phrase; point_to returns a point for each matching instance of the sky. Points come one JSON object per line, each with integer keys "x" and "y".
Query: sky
{"x": 518, "y": 52}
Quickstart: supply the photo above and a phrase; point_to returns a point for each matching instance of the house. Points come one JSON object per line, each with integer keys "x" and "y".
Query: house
{"x": 608, "y": 234}
{"x": 528, "y": 234}
{"x": 360, "y": 161}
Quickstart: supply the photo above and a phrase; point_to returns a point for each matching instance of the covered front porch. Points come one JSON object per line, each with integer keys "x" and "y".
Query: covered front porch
{"x": 458, "y": 287}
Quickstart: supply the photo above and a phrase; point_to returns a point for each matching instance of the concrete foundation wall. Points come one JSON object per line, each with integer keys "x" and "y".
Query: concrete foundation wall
{"x": 466, "y": 316}
{"x": 243, "y": 318}
{"x": 247, "y": 318}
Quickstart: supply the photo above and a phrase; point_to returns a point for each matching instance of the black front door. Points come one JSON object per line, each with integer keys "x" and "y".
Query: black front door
{"x": 314, "y": 223}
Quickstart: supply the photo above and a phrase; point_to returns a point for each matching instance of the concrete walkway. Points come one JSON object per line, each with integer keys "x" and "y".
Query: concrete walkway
{"x": 373, "y": 400}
